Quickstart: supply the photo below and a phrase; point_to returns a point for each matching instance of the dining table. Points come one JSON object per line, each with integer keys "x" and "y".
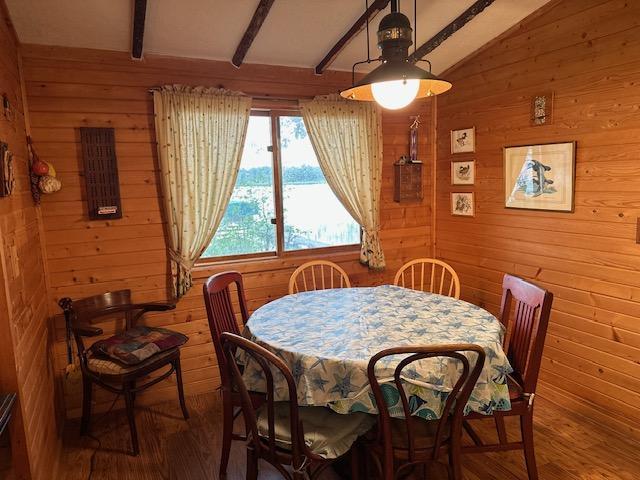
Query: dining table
{"x": 326, "y": 338}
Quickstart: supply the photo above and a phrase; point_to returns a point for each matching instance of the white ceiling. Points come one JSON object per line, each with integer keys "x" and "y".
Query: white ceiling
{"x": 296, "y": 32}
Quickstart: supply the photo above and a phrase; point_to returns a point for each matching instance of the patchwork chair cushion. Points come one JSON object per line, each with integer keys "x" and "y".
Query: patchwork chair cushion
{"x": 138, "y": 344}
{"x": 326, "y": 433}
{"x": 105, "y": 366}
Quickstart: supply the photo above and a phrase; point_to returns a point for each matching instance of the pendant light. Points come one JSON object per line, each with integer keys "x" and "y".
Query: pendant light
{"x": 397, "y": 82}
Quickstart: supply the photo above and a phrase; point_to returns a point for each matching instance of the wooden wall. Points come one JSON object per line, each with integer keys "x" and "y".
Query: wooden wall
{"x": 25, "y": 366}
{"x": 588, "y": 53}
{"x": 71, "y": 88}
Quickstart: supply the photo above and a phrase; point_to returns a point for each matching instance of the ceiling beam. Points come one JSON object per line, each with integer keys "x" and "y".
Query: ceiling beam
{"x": 139, "y": 14}
{"x": 262, "y": 10}
{"x": 371, "y": 12}
{"x": 435, "y": 41}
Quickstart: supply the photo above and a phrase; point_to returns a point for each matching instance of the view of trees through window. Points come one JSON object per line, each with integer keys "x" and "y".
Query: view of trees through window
{"x": 312, "y": 215}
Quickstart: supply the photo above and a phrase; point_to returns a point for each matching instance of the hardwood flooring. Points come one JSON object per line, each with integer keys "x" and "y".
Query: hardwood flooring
{"x": 568, "y": 448}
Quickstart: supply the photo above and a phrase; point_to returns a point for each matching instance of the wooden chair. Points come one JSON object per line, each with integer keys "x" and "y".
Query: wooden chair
{"x": 112, "y": 376}
{"x": 318, "y": 275}
{"x": 278, "y": 431}
{"x": 413, "y": 441}
{"x": 222, "y": 318}
{"x": 440, "y": 277}
{"x": 524, "y": 343}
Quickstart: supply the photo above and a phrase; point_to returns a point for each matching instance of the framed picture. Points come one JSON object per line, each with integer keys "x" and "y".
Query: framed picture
{"x": 463, "y": 173}
{"x": 542, "y": 109}
{"x": 463, "y": 141}
{"x": 463, "y": 204}
{"x": 540, "y": 177}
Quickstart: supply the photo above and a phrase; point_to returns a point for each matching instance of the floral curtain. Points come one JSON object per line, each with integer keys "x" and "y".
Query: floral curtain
{"x": 347, "y": 138}
{"x": 200, "y": 133}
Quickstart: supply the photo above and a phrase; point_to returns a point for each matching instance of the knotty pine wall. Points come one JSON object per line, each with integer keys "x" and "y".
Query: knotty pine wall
{"x": 25, "y": 360}
{"x": 71, "y": 88}
{"x": 588, "y": 53}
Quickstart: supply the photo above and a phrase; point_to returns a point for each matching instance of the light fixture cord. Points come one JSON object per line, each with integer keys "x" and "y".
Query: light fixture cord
{"x": 415, "y": 25}
{"x": 366, "y": 10}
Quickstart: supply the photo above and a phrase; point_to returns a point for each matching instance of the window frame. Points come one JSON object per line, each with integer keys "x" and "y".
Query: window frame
{"x": 276, "y": 161}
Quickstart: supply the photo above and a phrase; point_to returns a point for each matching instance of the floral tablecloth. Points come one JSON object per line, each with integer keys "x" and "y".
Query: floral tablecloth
{"x": 326, "y": 338}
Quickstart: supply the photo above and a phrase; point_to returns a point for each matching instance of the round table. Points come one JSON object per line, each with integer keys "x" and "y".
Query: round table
{"x": 327, "y": 337}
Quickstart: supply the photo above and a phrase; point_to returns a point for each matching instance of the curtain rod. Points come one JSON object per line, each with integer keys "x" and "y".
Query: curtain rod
{"x": 256, "y": 96}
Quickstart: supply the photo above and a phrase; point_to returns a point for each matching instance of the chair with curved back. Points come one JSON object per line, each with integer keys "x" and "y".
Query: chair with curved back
{"x": 222, "y": 318}
{"x": 318, "y": 275}
{"x": 524, "y": 343}
{"x": 308, "y": 439}
{"x": 126, "y": 380}
{"x": 429, "y": 275}
{"x": 413, "y": 441}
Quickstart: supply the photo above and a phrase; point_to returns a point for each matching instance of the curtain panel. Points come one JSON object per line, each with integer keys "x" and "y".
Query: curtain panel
{"x": 200, "y": 133}
{"x": 347, "y": 138}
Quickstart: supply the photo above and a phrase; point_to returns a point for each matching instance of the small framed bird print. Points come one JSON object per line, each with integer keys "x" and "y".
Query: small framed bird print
{"x": 463, "y": 141}
{"x": 463, "y": 173}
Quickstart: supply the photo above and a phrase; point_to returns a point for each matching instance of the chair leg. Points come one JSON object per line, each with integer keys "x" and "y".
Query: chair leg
{"x": 455, "y": 455}
{"x": 500, "y": 427}
{"x": 128, "y": 400}
{"x": 87, "y": 390}
{"x": 355, "y": 462}
{"x": 183, "y": 405}
{"x": 227, "y": 432}
{"x": 252, "y": 464}
{"x": 526, "y": 425}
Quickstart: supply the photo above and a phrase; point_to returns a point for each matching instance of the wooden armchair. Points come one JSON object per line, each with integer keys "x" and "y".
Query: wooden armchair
{"x": 110, "y": 375}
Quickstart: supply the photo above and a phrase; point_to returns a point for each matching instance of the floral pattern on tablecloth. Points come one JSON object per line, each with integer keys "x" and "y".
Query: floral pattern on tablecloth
{"x": 326, "y": 338}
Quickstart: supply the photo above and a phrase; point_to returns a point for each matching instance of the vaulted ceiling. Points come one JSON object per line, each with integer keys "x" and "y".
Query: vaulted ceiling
{"x": 294, "y": 33}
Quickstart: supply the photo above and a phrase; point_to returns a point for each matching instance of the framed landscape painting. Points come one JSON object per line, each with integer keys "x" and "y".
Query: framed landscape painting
{"x": 540, "y": 177}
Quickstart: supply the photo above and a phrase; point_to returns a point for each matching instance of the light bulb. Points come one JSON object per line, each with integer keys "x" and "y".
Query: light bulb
{"x": 395, "y": 94}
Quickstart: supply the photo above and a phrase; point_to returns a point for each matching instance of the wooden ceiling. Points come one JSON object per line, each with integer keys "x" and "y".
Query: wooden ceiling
{"x": 320, "y": 34}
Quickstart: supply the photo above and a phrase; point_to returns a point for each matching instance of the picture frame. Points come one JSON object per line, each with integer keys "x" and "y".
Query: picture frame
{"x": 7, "y": 176}
{"x": 540, "y": 177}
{"x": 463, "y": 172}
{"x": 463, "y": 204}
{"x": 464, "y": 140}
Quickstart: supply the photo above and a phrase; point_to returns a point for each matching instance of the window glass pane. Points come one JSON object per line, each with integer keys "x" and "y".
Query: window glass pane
{"x": 313, "y": 216}
{"x": 246, "y": 226}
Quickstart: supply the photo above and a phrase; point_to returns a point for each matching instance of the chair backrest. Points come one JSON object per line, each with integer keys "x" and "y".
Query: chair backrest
{"x": 450, "y": 423}
{"x": 527, "y": 329}
{"x": 270, "y": 365}
{"x": 429, "y": 275}
{"x": 90, "y": 309}
{"x": 220, "y": 313}
{"x": 318, "y": 275}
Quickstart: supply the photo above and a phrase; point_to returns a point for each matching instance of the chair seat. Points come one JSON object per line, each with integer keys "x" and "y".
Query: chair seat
{"x": 424, "y": 432}
{"x": 326, "y": 433}
{"x": 105, "y": 366}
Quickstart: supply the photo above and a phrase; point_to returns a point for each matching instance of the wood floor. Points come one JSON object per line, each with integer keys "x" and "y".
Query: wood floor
{"x": 567, "y": 448}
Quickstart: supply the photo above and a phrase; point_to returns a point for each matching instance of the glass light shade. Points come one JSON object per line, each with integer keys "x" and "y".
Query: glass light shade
{"x": 395, "y": 94}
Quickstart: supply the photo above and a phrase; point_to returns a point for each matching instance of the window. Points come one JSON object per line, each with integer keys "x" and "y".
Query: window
{"x": 281, "y": 201}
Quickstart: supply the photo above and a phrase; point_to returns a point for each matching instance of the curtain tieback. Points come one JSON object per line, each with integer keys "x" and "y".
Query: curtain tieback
{"x": 180, "y": 261}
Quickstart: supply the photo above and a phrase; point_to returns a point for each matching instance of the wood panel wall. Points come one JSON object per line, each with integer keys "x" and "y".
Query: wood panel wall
{"x": 25, "y": 366}
{"x": 71, "y": 88}
{"x": 588, "y": 53}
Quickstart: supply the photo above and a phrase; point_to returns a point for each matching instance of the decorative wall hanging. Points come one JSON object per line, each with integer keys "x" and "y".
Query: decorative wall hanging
{"x": 42, "y": 175}
{"x": 413, "y": 140}
{"x": 7, "y": 180}
{"x": 463, "y": 173}
{"x": 101, "y": 173}
{"x": 463, "y": 141}
{"x": 542, "y": 109}
{"x": 463, "y": 204}
{"x": 540, "y": 177}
